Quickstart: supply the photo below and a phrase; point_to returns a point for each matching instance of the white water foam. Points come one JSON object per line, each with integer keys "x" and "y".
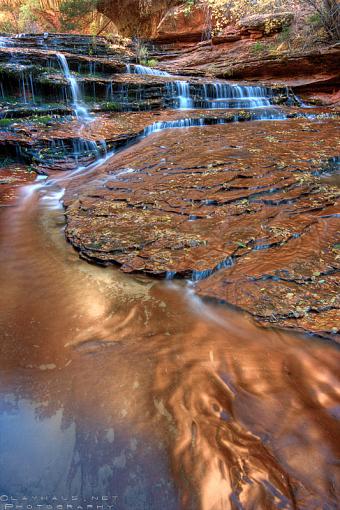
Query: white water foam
{"x": 139, "y": 69}
{"x": 77, "y": 101}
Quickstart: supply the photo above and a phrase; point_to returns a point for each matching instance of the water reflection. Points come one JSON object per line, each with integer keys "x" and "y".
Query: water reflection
{"x": 125, "y": 387}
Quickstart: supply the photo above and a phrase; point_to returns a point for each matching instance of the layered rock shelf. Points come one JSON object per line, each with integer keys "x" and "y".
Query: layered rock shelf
{"x": 170, "y": 256}
{"x": 248, "y": 213}
{"x": 231, "y": 186}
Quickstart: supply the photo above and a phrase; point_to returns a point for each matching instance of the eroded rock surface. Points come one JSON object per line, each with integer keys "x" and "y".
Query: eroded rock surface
{"x": 183, "y": 24}
{"x": 135, "y": 17}
{"x": 13, "y": 176}
{"x": 261, "y": 25}
{"x": 241, "y": 207}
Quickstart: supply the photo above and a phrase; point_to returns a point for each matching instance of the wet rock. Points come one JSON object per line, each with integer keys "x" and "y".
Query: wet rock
{"x": 13, "y": 175}
{"x": 247, "y": 213}
{"x": 76, "y": 44}
{"x": 307, "y": 71}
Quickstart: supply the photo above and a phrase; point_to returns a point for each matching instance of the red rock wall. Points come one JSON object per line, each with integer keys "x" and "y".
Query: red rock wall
{"x": 181, "y": 24}
{"x": 136, "y": 17}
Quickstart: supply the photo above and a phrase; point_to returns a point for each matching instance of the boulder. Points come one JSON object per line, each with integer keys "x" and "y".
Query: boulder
{"x": 265, "y": 24}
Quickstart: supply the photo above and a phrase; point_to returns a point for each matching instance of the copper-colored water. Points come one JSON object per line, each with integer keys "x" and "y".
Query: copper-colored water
{"x": 134, "y": 390}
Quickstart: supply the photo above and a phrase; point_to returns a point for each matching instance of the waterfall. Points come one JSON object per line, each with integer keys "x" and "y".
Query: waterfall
{"x": 186, "y": 96}
{"x": 139, "y": 69}
{"x": 217, "y": 95}
{"x": 26, "y": 88}
{"x": 77, "y": 103}
{"x": 3, "y": 42}
{"x": 180, "y": 92}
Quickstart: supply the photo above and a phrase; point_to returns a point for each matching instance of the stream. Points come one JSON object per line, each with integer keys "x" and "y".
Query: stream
{"x": 124, "y": 391}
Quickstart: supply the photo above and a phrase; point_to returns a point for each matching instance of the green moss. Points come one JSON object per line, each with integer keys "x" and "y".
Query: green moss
{"x": 258, "y": 47}
{"x": 5, "y": 123}
{"x": 34, "y": 119}
{"x": 109, "y": 106}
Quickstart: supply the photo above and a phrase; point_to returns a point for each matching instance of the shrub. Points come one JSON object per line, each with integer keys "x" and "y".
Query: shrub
{"x": 327, "y": 14}
{"x": 258, "y": 47}
{"x": 152, "y": 62}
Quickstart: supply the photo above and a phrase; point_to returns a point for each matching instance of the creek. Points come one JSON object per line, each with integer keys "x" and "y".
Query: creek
{"x": 127, "y": 387}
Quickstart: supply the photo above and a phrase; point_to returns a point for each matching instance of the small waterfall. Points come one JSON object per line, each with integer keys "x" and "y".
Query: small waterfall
{"x": 180, "y": 92}
{"x": 26, "y": 88}
{"x": 3, "y": 42}
{"x": 109, "y": 92}
{"x": 139, "y": 69}
{"x": 216, "y": 96}
{"x": 180, "y": 123}
{"x": 77, "y": 103}
{"x": 92, "y": 68}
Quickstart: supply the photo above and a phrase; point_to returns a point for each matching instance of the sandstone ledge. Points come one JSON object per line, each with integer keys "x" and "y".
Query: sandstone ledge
{"x": 252, "y": 221}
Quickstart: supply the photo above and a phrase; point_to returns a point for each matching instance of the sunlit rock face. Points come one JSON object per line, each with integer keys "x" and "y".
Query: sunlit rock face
{"x": 183, "y": 24}
{"x": 265, "y": 24}
{"x": 136, "y": 17}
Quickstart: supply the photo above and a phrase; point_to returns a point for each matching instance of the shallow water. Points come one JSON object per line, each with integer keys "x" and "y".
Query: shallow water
{"x": 134, "y": 390}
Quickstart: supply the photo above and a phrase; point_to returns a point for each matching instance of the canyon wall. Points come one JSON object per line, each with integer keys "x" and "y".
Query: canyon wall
{"x": 136, "y": 17}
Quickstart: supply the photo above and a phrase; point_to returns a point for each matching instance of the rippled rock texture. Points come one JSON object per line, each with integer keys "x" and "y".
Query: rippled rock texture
{"x": 242, "y": 207}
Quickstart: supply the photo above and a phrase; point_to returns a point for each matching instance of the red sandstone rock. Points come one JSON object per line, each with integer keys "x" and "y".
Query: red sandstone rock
{"x": 227, "y": 36}
{"x": 314, "y": 70}
{"x": 131, "y": 19}
{"x": 266, "y": 24}
{"x": 251, "y": 192}
{"x": 183, "y": 23}
{"x": 12, "y": 178}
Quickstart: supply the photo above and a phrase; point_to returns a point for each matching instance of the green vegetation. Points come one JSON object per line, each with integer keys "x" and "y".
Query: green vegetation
{"x": 326, "y": 15}
{"x": 152, "y": 62}
{"x": 5, "y": 123}
{"x": 258, "y": 47}
{"x": 110, "y": 106}
{"x": 52, "y": 15}
{"x": 228, "y": 73}
{"x": 285, "y": 35}
{"x": 142, "y": 52}
{"x": 188, "y": 6}
{"x": 73, "y": 10}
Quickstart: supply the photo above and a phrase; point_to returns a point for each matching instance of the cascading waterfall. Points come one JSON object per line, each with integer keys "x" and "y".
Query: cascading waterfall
{"x": 217, "y": 95}
{"x": 77, "y": 102}
{"x": 81, "y": 147}
{"x": 139, "y": 69}
{"x": 185, "y": 96}
{"x": 179, "y": 91}
{"x": 27, "y": 88}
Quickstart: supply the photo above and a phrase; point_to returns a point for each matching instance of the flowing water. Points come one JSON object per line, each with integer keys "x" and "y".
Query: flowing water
{"x": 209, "y": 95}
{"x": 139, "y": 69}
{"x": 77, "y": 101}
{"x": 218, "y": 96}
{"x": 121, "y": 391}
